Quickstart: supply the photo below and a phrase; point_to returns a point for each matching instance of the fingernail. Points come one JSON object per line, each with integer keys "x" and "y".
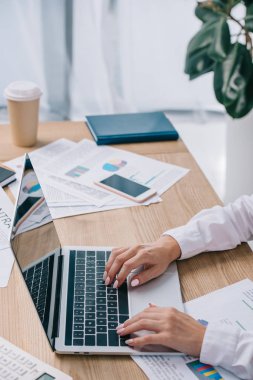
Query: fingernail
{"x": 135, "y": 282}
{"x": 107, "y": 281}
{"x": 129, "y": 341}
{"x": 115, "y": 285}
{"x": 104, "y": 275}
{"x": 151, "y": 304}
{"x": 120, "y": 330}
{"x": 120, "y": 326}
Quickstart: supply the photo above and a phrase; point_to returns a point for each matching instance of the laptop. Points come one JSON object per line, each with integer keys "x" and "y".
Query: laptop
{"x": 78, "y": 313}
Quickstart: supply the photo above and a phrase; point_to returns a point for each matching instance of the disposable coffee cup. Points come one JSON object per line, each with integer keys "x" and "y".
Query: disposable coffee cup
{"x": 23, "y": 106}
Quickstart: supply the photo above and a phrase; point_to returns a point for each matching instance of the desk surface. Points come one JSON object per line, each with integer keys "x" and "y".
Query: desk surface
{"x": 198, "y": 275}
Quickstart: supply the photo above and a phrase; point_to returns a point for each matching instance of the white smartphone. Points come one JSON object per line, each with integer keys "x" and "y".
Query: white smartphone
{"x": 126, "y": 187}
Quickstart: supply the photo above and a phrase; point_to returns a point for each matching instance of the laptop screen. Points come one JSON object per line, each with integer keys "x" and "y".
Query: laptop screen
{"x": 36, "y": 246}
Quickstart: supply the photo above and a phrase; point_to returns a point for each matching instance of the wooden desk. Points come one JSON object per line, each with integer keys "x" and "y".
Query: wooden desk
{"x": 198, "y": 275}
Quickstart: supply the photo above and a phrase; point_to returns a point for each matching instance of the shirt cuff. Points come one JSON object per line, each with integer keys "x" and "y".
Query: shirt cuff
{"x": 189, "y": 240}
{"x": 219, "y": 345}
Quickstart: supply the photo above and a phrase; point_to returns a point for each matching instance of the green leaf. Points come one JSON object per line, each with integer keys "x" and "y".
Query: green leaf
{"x": 231, "y": 81}
{"x": 249, "y": 18}
{"x": 209, "y": 10}
{"x": 198, "y": 64}
{"x": 205, "y": 13}
{"x": 220, "y": 45}
{"x": 202, "y": 39}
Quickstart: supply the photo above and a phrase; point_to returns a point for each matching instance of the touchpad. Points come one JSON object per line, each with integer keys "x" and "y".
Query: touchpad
{"x": 163, "y": 291}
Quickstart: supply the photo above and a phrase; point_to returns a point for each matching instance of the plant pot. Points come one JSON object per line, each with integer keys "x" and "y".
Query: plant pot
{"x": 239, "y": 157}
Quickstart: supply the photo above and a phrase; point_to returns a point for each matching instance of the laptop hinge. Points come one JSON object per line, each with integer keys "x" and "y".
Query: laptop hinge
{"x": 56, "y": 320}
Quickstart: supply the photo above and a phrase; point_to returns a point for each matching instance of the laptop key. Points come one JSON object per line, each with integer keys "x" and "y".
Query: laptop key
{"x": 101, "y": 307}
{"x": 78, "y": 342}
{"x": 101, "y": 287}
{"x": 112, "y": 325}
{"x": 90, "y": 340}
{"x": 80, "y": 254}
{"x": 90, "y": 254}
{"x": 79, "y": 305}
{"x": 101, "y": 340}
{"x": 100, "y": 255}
{"x": 90, "y": 323}
{"x": 101, "y": 321}
{"x": 78, "y": 319}
{"x": 101, "y": 301}
{"x": 80, "y": 261}
{"x": 100, "y": 263}
{"x": 80, "y": 273}
{"x": 113, "y": 338}
{"x": 78, "y": 334}
{"x": 78, "y": 326}
{"x": 90, "y": 330}
{"x": 112, "y": 310}
{"x": 90, "y": 302}
{"x": 80, "y": 267}
{"x": 78, "y": 312}
{"x": 90, "y": 283}
{"x": 123, "y": 341}
{"x": 101, "y": 329}
{"x": 90, "y": 315}
{"x": 112, "y": 318}
{"x": 90, "y": 309}
{"x": 111, "y": 297}
{"x": 101, "y": 314}
{"x": 79, "y": 292}
{"x": 90, "y": 296}
{"x": 112, "y": 303}
{"x": 79, "y": 298}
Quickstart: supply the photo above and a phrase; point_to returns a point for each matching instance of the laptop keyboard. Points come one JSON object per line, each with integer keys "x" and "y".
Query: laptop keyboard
{"x": 93, "y": 309}
{"x": 39, "y": 282}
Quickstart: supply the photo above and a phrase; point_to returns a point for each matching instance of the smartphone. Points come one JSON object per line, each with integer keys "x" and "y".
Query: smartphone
{"x": 127, "y": 188}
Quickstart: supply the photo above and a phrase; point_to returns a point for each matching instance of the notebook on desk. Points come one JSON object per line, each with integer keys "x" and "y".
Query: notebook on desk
{"x": 78, "y": 313}
{"x": 132, "y": 127}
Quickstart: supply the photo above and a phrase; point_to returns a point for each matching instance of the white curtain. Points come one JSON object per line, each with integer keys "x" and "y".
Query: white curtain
{"x": 102, "y": 56}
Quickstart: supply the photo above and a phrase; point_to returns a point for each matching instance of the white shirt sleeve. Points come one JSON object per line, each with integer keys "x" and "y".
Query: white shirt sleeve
{"x": 216, "y": 229}
{"x": 230, "y": 348}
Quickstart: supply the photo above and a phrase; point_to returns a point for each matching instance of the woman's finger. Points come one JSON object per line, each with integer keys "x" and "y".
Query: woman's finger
{"x": 142, "y": 324}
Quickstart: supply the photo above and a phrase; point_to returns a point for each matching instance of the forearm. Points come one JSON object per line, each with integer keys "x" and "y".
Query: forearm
{"x": 216, "y": 229}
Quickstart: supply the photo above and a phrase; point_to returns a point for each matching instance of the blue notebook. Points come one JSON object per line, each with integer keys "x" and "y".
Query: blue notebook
{"x": 133, "y": 127}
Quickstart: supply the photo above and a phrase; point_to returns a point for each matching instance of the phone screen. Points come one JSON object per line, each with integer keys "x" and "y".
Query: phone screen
{"x": 125, "y": 185}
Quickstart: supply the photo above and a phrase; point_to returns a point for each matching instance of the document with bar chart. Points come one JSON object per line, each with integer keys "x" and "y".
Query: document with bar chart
{"x": 232, "y": 305}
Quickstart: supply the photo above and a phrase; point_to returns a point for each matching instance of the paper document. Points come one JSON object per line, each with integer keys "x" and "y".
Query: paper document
{"x": 6, "y": 211}
{"x": 87, "y": 162}
{"x": 6, "y": 256}
{"x": 232, "y": 305}
{"x": 67, "y": 171}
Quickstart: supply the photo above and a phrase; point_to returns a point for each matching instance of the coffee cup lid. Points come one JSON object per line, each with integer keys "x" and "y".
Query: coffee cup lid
{"x": 22, "y": 91}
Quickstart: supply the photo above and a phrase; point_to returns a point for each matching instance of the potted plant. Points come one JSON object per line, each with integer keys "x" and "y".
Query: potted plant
{"x": 224, "y": 45}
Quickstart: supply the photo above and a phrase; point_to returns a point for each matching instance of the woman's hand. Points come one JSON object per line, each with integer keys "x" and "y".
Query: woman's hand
{"x": 172, "y": 328}
{"x": 154, "y": 257}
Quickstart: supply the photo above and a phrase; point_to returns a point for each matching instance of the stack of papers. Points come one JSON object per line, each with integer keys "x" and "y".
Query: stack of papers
{"x": 67, "y": 172}
{"x": 6, "y": 256}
